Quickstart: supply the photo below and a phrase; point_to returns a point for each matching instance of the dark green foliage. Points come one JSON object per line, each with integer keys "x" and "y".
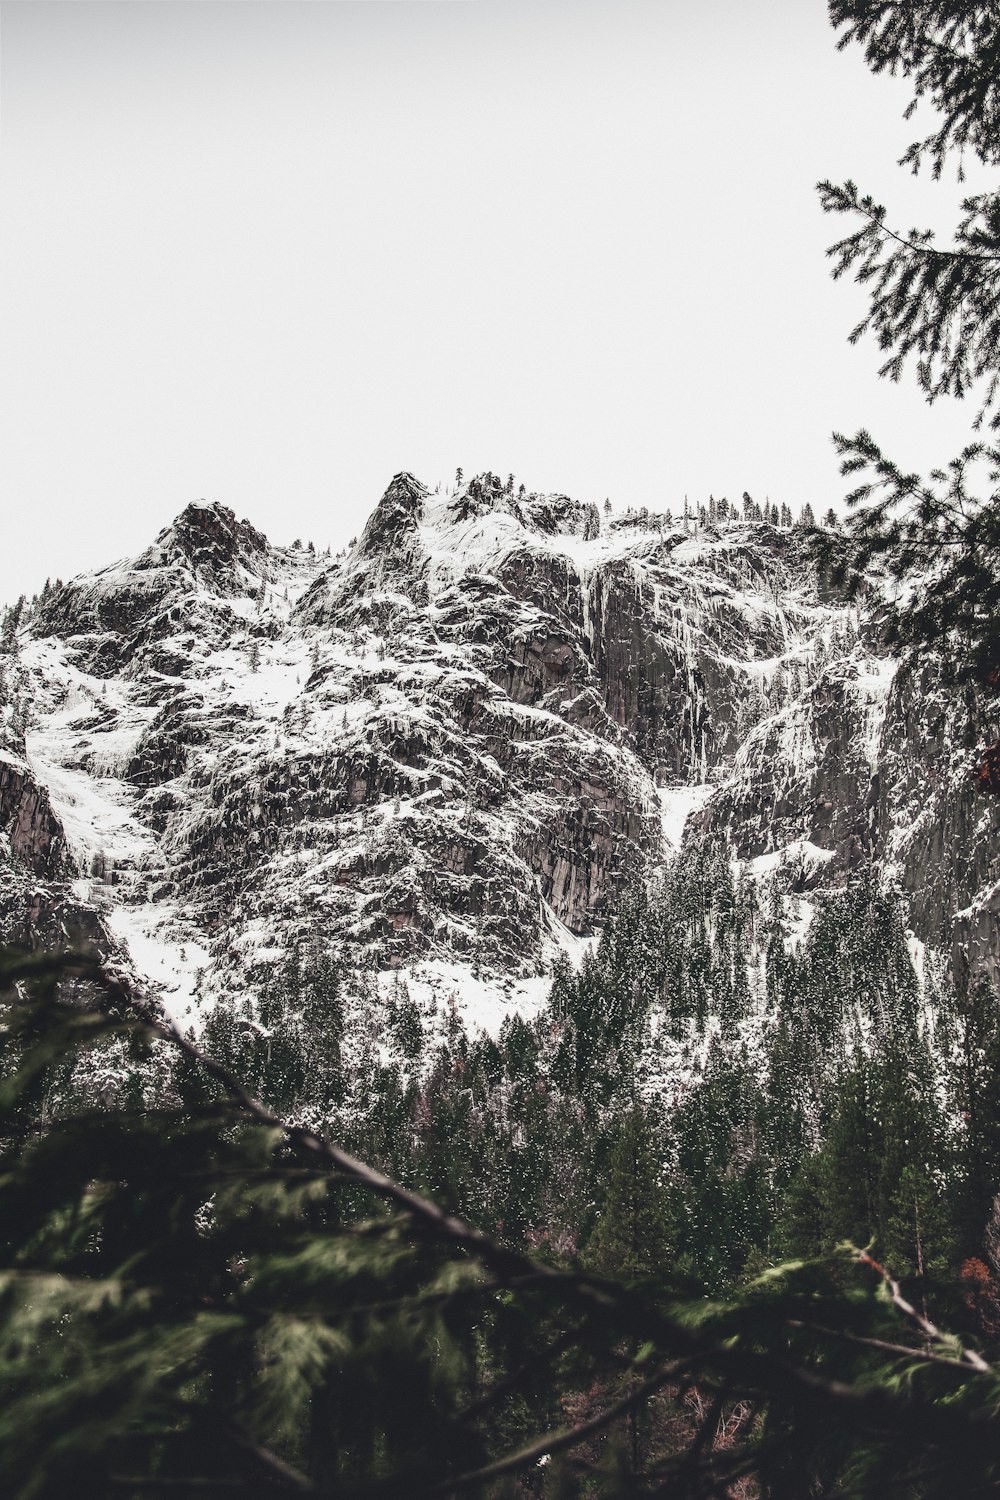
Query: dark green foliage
{"x": 721, "y": 1188}
{"x": 188, "y": 1293}
{"x": 201, "y": 1296}
{"x": 630, "y": 1239}
{"x": 196, "y": 1297}
{"x": 950, "y": 50}
{"x": 939, "y": 307}
{"x": 779, "y": 1077}
{"x": 822, "y": 1108}
{"x": 970, "y": 1022}
{"x": 943, "y": 536}
{"x": 678, "y": 944}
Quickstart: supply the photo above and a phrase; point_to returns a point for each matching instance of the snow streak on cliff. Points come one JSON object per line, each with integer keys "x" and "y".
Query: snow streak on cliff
{"x": 447, "y": 750}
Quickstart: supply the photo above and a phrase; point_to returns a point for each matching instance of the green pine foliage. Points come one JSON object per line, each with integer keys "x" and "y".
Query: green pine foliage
{"x": 197, "y": 1296}
{"x": 747, "y": 1050}
{"x": 631, "y": 1234}
{"x": 933, "y": 307}
{"x": 788, "y": 1085}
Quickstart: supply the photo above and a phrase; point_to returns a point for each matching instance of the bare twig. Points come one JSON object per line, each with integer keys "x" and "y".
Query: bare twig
{"x": 276, "y": 1468}
{"x": 925, "y": 1355}
{"x": 970, "y": 1358}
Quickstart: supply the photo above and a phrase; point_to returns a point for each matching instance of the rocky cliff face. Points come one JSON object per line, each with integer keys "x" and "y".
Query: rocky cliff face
{"x": 455, "y": 743}
{"x": 33, "y": 835}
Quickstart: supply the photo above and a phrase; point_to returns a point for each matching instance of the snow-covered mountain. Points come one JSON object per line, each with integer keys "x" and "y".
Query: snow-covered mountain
{"x": 447, "y": 750}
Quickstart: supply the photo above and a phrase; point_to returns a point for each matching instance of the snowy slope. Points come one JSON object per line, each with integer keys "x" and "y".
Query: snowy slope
{"x": 440, "y": 754}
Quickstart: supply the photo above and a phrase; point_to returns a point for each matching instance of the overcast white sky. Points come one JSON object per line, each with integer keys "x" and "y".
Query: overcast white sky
{"x": 271, "y": 253}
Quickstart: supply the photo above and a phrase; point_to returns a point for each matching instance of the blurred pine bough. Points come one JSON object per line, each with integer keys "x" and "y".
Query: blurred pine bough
{"x": 198, "y": 1298}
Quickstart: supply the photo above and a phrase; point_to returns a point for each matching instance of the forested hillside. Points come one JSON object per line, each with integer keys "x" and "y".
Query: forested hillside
{"x": 714, "y": 1092}
{"x": 776, "y": 1092}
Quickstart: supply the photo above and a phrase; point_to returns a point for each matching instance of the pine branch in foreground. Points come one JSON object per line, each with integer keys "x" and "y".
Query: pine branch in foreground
{"x": 934, "y": 307}
{"x": 198, "y": 1297}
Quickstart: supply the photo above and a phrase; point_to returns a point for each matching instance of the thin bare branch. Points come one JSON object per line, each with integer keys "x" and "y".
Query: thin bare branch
{"x": 969, "y": 1358}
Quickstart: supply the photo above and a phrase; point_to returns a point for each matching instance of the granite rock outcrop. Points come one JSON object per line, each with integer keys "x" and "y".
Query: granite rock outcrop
{"x": 457, "y": 741}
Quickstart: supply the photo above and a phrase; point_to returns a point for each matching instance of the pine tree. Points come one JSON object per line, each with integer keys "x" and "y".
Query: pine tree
{"x": 972, "y": 1017}
{"x": 631, "y": 1234}
{"x": 850, "y": 1162}
{"x": 12, "y": 618}
{"x": 934, "y": 308}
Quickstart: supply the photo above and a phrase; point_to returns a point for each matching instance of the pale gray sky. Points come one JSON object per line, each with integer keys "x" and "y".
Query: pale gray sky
{"x": 270, "y": 253}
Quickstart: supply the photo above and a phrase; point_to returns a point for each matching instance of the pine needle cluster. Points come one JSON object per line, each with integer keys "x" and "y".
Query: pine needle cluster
{"x": 935, "y": 307}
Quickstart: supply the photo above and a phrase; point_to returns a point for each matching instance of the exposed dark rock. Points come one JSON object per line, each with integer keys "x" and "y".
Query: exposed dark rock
{"x": 33, "y": 832}
{"x": 453, "y": 741}
{"x": 211, "y": 541}
{"x": 933, "y": 830}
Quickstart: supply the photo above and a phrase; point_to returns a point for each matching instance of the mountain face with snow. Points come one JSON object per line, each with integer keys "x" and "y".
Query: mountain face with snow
{"x": 447, "y": 751}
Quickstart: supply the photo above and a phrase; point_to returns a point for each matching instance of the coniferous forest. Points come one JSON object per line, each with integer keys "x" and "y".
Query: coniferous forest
{"x": 695, "y": 1229}
{"x": 720, "y": 1218}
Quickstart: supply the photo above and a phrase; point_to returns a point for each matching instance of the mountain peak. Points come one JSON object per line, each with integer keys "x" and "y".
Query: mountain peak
{"x": 205, "y": 558}
{"x": 206, "y": 537}
{"x": 395, "y": 516}
{"x": 459, "y": 742}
